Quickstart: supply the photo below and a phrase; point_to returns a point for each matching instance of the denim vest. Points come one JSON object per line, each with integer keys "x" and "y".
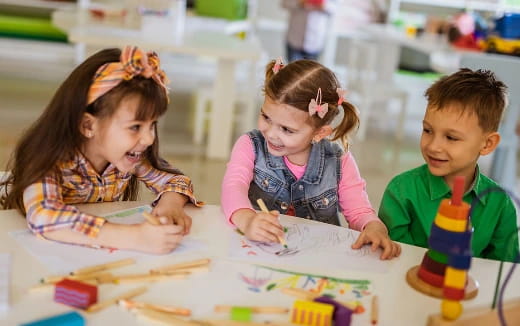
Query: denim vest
{"x": 314, "y": 196}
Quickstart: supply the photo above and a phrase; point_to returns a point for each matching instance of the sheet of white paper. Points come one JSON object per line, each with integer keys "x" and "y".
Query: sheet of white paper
{"x": 323, "y": 244}
{"x": 63, "y": 258}
{"x": 5, "y": 278}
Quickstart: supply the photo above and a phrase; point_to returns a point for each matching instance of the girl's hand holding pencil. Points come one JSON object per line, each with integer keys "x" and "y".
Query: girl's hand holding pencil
{"x": 170, "y": 210}
{"x": 259, "y": 226}
{"x": 156, "y": 237}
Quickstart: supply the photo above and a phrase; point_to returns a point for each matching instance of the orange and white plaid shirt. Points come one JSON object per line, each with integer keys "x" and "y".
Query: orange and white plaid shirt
{"x": 49, "y": 203}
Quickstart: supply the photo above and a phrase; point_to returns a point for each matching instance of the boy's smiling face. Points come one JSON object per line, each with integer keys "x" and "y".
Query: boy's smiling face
{"x": 452, "y": 141}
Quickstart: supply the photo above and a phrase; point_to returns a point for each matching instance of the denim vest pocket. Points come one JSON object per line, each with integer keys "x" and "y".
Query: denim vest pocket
{"x": 325, "y": 201}
{"x": 267, "y": 182}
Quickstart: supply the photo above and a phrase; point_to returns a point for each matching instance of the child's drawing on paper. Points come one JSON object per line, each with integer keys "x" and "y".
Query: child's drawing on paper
{"x": 324, "y": 244}
{"x": 303, "y": 238}
{"x": 262, "y": 279}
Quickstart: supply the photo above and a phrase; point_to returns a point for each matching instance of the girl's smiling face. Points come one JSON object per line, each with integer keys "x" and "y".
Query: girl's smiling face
{"x": 119, "y": 139}
{"x": 286, "y": 130}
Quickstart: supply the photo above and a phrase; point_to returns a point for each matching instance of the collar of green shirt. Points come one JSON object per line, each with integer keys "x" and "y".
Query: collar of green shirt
{"x": 439, "y": 189}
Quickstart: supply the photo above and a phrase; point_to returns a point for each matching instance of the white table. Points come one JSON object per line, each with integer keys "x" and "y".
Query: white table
{"x": 227, "y": 49}
{"x": 399, "y": 303}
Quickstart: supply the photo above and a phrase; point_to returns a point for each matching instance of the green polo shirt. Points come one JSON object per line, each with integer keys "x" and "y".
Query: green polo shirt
{"x": 411, "y": 201}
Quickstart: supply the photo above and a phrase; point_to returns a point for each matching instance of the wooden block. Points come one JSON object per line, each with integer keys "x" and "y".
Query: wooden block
{"x": 437, "y": 292}
{"x": 455, "y": 278}
{"x": 481, "y": 316}
{"x": 75, "y": 293}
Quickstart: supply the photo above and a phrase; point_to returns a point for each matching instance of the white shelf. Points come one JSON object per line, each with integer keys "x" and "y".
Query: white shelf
{"x": 39, "y": 4}
{"x": 492, "y": 6}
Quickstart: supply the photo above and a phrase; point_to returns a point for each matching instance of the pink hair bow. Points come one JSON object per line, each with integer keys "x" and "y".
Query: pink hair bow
{"x": 278, "y": 64}
{"x": 341, "y": 95}
{"x": 316, "y": 107}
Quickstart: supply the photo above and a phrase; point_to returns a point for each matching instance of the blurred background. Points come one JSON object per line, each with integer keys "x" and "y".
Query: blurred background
{"x": 386, "y": 53}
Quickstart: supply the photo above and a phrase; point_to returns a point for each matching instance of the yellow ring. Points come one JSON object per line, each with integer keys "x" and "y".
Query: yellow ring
{"x": 450, "y": 224}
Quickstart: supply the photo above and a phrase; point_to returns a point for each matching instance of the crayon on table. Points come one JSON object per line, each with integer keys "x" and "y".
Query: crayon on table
{"x": 130, "y": 304}
{"x": 128, "y": 295}
{"x": 374, "y": 311}
{"x": 104, "y": 267}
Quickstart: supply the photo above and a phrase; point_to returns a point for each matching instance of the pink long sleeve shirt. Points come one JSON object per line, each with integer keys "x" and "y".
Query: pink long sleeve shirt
{"x": 353, "y": 199}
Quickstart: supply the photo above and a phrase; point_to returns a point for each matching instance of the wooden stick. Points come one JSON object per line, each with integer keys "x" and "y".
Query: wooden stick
{"x": 48, "y": 286}
{"x": 190, "y": 270}
{"x": 78, "y": 277}
{"x": 129, "y": 304}
{"x": 151, "y": 219}
{"x": 184, "y": 265}
{"x": 264, "y": 209}
{"x": 128, "y": 295}
{"x": 104, "y": 267}
{"x": 255, "y": 309}
{"x": 164, "y": 318}
{"x": 481, "y": 316}
{"x": 374, "y": 311}
{"x": 149, "y": 277}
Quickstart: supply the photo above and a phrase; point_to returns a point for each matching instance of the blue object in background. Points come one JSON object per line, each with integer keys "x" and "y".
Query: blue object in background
{"x": 68, "y": 319}
{"x": 508, "y": 26}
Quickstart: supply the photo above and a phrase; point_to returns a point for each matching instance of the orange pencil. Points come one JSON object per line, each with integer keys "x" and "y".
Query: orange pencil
{"x": 374, "y": 313}
{"x": 265, "y": 210}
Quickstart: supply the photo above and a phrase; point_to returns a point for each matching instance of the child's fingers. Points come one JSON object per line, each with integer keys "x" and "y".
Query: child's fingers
{"x": 173, "y": 229}
{"x": 272, "y": 223}
{"x": 359, "y": 242}
{"x": 165, "y": 220}
{"x": 264, "y": 235}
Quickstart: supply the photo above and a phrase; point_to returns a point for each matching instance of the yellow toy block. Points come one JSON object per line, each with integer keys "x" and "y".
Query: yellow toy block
{"x": 312, "y": 313}
{"x": 455, "y": 278}
{"x": 450, "y": 224}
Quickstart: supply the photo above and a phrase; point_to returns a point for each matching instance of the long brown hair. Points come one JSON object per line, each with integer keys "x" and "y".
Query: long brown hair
{"x": 298, "y": 82}
{"x": 56, "y": 135}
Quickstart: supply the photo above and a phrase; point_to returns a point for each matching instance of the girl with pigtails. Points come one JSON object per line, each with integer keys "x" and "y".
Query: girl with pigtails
{"x": 293, "y": 161}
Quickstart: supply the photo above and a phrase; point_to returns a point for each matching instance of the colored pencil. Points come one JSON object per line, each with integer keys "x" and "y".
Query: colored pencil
{"x": 163, "y": 318}
{"x": 184, "y": 265}
{"x": 104, "y": 267}
{"x": 149, "y": 277}
{"x": 374, "y": 311}
{"x": 255, "y": 309}
{"x": 151, "y": 219}
{"x": 129, "y": 304}
{"x": 128, "y": 295}
{"x": 265, "y": 210}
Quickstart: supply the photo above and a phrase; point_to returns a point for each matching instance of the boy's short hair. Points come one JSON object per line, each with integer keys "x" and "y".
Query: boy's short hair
{"x": 478, "y": 92}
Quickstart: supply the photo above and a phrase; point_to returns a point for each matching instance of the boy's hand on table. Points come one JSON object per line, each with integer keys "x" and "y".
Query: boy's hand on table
{"x": 375, "y": 232}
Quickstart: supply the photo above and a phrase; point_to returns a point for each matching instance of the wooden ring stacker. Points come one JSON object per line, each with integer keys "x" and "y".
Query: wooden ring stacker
{"x": 470, "y": 292}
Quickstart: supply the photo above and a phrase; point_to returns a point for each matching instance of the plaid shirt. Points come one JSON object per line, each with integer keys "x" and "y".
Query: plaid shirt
{"x": 49, "y": 203}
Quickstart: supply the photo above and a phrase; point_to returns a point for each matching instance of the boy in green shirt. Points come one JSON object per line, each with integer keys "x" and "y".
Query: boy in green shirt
{"x": 460, "y": 124}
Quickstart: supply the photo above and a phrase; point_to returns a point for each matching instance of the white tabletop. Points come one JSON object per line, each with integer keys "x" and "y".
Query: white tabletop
{"x": 399, "y": 303}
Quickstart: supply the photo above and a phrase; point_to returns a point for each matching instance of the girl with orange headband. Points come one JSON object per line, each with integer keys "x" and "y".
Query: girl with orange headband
{"x": 95, "y": 140}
